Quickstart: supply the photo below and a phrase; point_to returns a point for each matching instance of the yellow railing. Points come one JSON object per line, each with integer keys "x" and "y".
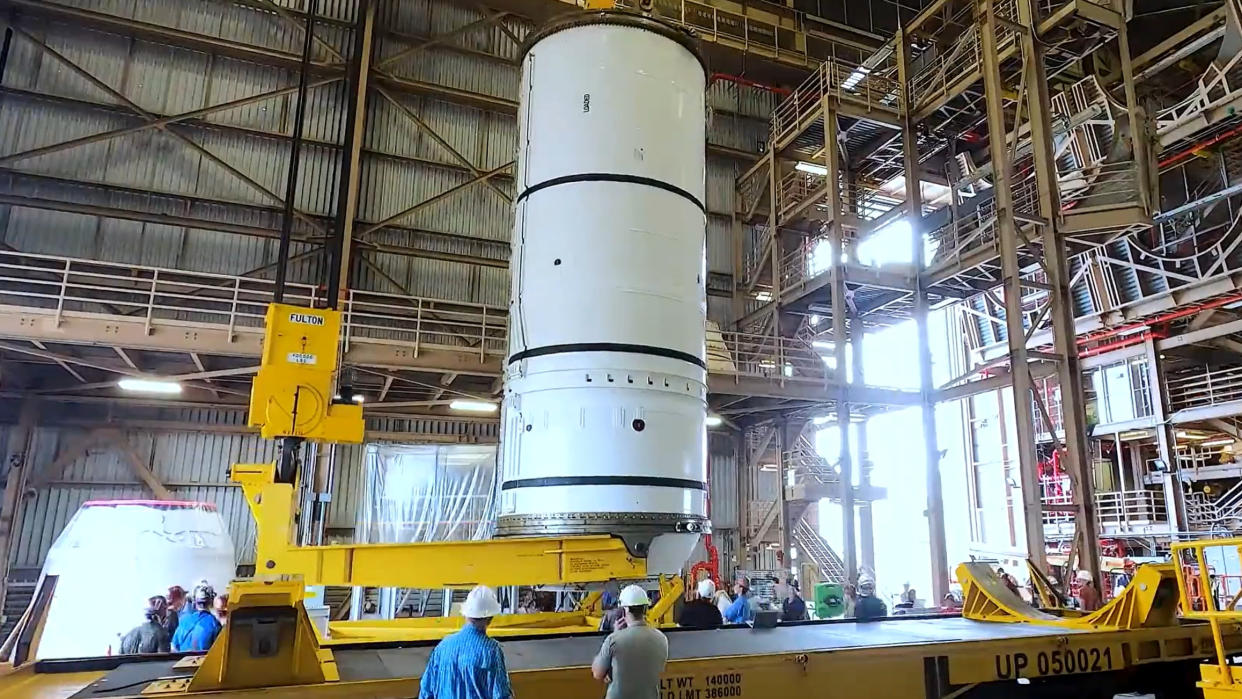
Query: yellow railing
{"x": 1192, "y": 568}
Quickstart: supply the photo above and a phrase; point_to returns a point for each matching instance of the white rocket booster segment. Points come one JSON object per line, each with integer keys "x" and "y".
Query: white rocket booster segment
{"x": 605, "y": 396}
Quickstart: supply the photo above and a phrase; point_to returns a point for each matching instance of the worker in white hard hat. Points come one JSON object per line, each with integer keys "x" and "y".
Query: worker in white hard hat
{"x": 631, "y": 660}
{"x": 869, "y": 607}
{"x": 468, "y": 664}
{"x": 701, "y": 612}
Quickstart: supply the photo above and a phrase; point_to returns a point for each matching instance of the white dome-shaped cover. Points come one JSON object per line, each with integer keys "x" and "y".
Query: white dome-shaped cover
{"x": 114, "y": 555}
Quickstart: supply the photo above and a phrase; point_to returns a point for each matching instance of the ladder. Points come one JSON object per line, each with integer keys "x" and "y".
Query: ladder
{"x": 811, "y": 545}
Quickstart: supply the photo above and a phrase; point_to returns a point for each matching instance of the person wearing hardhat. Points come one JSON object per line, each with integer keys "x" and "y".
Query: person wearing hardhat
{"x": 868, "y": 607}
{"x": 701, "y": 612}
{"x": 631, "y": 660}
{"x": 197, "y": 629}
{"x": 468, "y": 664}
{"x": 742, "y": 610}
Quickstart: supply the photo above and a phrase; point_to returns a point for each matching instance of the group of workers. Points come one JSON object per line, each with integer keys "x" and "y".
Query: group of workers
{"x": 178, "y": 622}
{"x": 469, "y": 664}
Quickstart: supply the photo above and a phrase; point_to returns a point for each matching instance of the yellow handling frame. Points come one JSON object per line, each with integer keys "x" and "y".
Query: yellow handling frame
{"x": 1220, "y": 680}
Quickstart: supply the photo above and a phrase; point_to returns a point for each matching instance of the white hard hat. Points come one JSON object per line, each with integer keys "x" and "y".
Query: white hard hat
{"x": 634, "y": 596}
{"x": 707, "y": 588}
{"x": 481, "y": 603}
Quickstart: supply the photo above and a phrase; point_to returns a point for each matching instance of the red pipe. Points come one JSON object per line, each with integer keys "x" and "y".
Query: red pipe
{"x": 1163, "y": 318}
{"x": 1120, "y": 344}
{"x": 746, "y": 82}
{"x": 1180, "y": 156}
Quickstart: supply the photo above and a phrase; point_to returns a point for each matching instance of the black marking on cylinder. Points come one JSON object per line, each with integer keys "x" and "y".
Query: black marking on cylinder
{"x": 604, "y": 480}
{"x": 608, "y": 347}
{"x": 613, "y": 177}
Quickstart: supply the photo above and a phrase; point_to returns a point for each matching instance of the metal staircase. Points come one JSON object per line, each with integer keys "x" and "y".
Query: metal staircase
{"x": 813, "y": 547}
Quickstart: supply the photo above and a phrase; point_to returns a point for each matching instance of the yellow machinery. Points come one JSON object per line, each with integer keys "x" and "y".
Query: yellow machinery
{"x": 293, "y": 395}
{"x": 1219, "y": 680}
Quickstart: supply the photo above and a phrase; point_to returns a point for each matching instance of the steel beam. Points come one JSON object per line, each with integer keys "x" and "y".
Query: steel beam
{"x": 843, "y": 339}
{"x": 1065, "y": 344}
{"x": 931, "y": 450}
{"x": 341, "y": 241}
{"x": 1007, "y": 232}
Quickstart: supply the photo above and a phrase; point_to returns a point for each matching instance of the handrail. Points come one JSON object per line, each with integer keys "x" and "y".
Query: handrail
{"x": 1209, "y": 387}
{"x": 65, "y": 288}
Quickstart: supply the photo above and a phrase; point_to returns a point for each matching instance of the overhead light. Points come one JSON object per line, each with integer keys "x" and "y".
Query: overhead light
{"x": 811, "y": 168}
{"x": 1181, "y": 434}
{"x": 1217, "y": 442}
{"x": 768, "y": 467}
{"x": 473, "y": 406}
{"x": 856, "y": 77}
{"x": 763, "y": 296}
{"x": 1135, "y": 434}
{"x": 359, "y": 398}
{"x": 149, "y": 386}
{"x": 714, "y": 421}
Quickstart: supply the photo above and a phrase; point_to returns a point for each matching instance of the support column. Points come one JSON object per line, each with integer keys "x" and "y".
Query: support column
{"x": 1166, "y": 440}
{"x": 15, "y": 483}
{"x": 341, "y": 239}
{"x": 785, "y": 522}
{"x": 1065, "y": 342}
{"x": 840, "y": 335}
{"x": 931, "y": 448}
{"x": 866, "y": 520}
{"x": 1024, "y": 416}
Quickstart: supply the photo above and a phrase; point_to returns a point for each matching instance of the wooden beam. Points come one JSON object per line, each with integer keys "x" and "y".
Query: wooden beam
{"x": 138, "y": 466}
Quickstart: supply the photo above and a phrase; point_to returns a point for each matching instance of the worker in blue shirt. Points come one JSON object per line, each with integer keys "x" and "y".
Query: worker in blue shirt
{"x": 468, "y": 664}
{"x": 197, "y": 629}
{"x": 741, "y": 611}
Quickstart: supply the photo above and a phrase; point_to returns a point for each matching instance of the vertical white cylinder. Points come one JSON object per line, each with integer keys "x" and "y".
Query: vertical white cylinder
{"x": 605, "y": 398}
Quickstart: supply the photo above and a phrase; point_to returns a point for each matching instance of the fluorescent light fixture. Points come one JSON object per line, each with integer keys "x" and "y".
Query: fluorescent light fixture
{"x": 763, "y": 296}
{"x": 1181, "y": 434}
{"x": 856, "y": 77}
{"x": 358, "y": 398}
{"x": 1223, "y": 442}
{"x": 811, "y": 168}
{"x": 714, "y": 421}
{"x": 149, "y": 386}
{"x": 473, "y": 406}
{"x": 768, "y": 467}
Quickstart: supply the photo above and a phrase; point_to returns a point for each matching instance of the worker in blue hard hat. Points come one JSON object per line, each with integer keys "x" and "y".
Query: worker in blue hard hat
{"x": 468, "y": 664}
{"x": 631, "y": 660}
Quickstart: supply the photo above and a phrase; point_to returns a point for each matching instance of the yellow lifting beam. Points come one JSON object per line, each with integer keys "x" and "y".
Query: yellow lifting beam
{"x": 1150, "y": 600}
{"x": 496, "y": 562}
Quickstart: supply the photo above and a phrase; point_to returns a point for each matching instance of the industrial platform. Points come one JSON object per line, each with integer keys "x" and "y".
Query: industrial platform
{"x": 916, "y": 656}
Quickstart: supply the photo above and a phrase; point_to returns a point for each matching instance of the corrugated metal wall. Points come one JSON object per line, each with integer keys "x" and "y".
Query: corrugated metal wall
{"x": 45, "y": 102}
{"x": 192, "y": 458}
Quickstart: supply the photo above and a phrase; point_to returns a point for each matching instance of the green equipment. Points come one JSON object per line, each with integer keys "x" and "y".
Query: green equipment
{"x": 829, "y": 600}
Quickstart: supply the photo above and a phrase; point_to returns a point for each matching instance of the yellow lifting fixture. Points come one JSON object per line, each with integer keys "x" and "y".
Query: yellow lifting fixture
{"x": 1219, "y": 680}
{"x": 1150, "y": 600}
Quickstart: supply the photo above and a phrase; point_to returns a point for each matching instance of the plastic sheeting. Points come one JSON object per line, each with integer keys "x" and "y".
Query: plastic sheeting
{"x": 417, "y": 493}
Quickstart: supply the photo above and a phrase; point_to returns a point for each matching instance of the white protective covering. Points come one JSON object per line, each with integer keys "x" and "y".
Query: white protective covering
{"x": 422, "y": 493}
{"x": 114, "y": 555}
